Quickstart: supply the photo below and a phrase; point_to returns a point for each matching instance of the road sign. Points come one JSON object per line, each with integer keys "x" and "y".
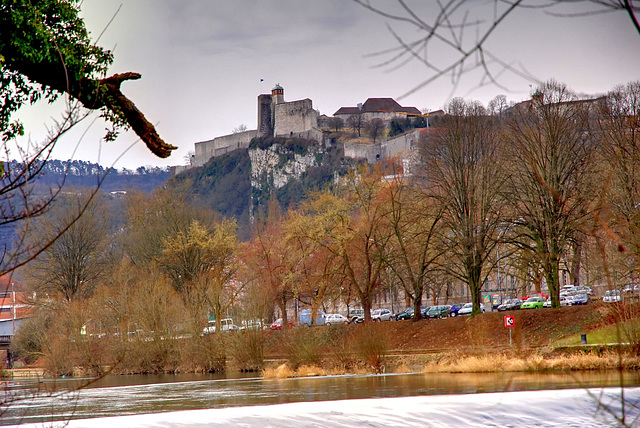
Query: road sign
{"x": 509, "y": 321}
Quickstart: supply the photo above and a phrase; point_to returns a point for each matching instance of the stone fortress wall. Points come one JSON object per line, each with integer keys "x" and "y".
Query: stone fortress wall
{"x": 275, "y": 117}
{"x": 295, "y": 117}
{"x": 279, "y": 118}
{"x": 401, "y": 145}
{"x": 206, "y": 150}
{"x": 398, "y": 146}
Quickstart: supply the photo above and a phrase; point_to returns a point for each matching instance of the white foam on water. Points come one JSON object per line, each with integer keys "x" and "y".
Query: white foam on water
{"x": 548, "y": 408}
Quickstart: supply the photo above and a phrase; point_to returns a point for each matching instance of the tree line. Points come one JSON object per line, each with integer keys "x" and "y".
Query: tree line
{"x": 545, "y": 186}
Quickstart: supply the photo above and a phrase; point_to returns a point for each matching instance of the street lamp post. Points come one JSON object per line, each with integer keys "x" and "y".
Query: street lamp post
{"x": 13, "y": 311}
{"x": 390, "y": 289}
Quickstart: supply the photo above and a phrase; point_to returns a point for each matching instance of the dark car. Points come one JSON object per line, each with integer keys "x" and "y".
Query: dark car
{"x": 440, "y": 311}
{"x": 510, "y": 305}
{"x": 407, "y": 314}
{"x": 424, "y": 310}
{"x": 453, "y": 312}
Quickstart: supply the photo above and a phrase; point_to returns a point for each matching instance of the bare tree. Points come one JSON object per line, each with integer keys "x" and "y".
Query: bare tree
{"x": 375, "y": 127}
{"x": 413, "y": 249}
{"x": 464, "y": 174}
{"x": 337, "y": 123}
{"x": 551, "y": 152}
{"x": 620, "y": 126}
{"x": 356, "y": 122}
{"x": 72, "y": 265}
{"x": 272, "y": 266}
{"x": 498, "y": 106}
{"x": 240, "y": 128}
{"x": 460, "y": 32}
{"x": 351, "y": 230}
{"x": 152, "y": 219}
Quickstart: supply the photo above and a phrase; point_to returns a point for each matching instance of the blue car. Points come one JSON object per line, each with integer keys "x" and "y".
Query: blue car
{"x": 453, "y": 312}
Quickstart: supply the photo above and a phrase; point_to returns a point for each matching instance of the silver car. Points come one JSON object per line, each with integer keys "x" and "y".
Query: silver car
{"x": 334, "y": 319}
{"x": 381, "y": 315}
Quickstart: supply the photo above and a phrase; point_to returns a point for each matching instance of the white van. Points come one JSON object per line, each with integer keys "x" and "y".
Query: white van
{"x": 227, "y": 326}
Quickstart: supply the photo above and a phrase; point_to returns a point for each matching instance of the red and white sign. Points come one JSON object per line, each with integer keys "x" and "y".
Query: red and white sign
{"x": 509, "y": 321}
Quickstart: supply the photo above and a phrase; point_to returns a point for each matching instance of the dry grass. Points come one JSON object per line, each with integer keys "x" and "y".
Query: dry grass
{"x": 283, "y": 371}
{"x": 533, "y": 363}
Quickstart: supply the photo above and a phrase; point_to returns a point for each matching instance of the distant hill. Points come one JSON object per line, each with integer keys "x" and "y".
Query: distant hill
{"x": 83, "y": 174}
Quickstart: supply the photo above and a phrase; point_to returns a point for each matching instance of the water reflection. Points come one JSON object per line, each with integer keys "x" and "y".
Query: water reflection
{"x": 126, "y": 395}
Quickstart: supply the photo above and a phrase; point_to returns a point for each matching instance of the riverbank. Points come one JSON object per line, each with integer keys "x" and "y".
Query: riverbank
{"x": 540, "y": 340}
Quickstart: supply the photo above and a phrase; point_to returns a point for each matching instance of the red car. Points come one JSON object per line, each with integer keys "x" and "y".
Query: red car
{"x": 277, "y": 324}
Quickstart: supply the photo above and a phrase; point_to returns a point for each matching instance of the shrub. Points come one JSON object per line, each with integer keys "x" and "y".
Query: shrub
{"x": 370, "y": 344}
{"x": 30, "y": 339}
{"x": 302, "y": 346}
{"x": 204, "y": 354}
{"x": 247, "y": 348}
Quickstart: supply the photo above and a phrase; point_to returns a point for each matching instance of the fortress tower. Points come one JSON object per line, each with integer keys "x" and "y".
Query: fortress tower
{"x": 265, "y": 115}
{"x": 277, "y": 94}
{"x": 267, "y": 110}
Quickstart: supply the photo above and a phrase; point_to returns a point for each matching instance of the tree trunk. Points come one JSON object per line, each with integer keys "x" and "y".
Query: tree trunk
{"x": 366, "y": 306}
{"x": 552, "y": 271}
{"x": 474, "y": 271}
{"x": 576, "y": 261}
{"x": 282, "y": 304}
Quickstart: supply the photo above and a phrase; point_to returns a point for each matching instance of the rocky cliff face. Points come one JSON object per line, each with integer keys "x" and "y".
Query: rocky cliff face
{"x": 240, "y": 183}
{"x": 291, "y": 167}
{"x": 276, "y": 165}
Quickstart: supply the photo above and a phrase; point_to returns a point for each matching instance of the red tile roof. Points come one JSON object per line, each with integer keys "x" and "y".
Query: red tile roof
{"x": 373, "y": 105}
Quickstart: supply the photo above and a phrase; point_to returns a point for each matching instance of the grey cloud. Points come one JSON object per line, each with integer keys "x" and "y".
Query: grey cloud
{"x": 226, "y": 26}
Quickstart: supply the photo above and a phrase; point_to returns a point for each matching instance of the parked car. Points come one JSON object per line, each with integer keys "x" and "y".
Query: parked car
{"x": 424, "y": 310}
{"x": 407, "y": 314}
{"x": 381, "y": 315}
{"x": 277, "y": 324}
{"x": 334, "y": 319}
{"x": 583, "y": 289}
{"x": 441, "y": 311}
{"x": 453, "y": 312}
{"x": 305, "y": 318}
{"x": 510, "y": 305}
{"x": 533, "y": 303}
{"x": 356, "y": 313}
{"x": 611, "y": 296}
{"x": 227, "y": 326}
{"x": 563, "y": 302}
{"x": 567, "y": 287}
{"x": 536, "y": 295}
{"x": 253, "y": 325}
{"x": 467, "y": 309}
{"x": 580, "y": 299}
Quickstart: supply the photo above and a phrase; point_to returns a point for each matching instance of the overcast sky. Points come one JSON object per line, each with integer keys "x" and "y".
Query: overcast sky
{"x": 202, "y": 62}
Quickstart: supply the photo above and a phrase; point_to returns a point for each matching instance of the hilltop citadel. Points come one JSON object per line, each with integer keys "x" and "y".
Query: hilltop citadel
{"x": 280, "y": 118}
